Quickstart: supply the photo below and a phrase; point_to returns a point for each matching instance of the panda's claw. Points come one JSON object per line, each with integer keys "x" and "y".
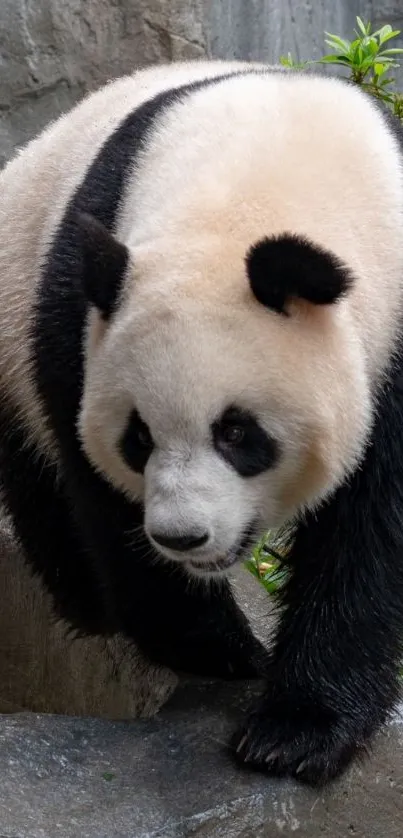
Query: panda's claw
{"x": 314, "y": 748}
{"x": 273, "y": 755}
{"x": 241, "y": 744}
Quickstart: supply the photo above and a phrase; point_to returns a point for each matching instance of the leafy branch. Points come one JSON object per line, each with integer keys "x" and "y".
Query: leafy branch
{"x": 367, "y": 58}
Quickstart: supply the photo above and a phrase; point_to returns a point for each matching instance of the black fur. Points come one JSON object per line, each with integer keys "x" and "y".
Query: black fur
{"x": 136, "y": 443}
{"x": 334, "y": 672}
{"x": 255, "y": 451}
{"x": 287, "y": 266}
{"x": 46, "y": 530}
{"x": 105, "y": 261}
{"x": 78, "y": 531}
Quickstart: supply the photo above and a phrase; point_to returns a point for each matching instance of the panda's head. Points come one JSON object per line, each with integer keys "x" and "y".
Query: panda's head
{"x": 224, "y": 385}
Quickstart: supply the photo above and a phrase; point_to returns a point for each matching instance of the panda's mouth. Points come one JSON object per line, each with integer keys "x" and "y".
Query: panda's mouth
{"x": 216, "y": 566}
{"x": 223, "y": 563}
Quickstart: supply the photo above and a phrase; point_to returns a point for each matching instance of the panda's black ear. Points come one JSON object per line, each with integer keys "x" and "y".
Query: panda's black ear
{"x": 287, "y": 266}
{"x": 104, "y": 263}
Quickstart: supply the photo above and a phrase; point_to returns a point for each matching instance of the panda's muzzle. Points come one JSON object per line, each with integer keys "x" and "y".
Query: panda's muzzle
{"x": 223, "y": 563}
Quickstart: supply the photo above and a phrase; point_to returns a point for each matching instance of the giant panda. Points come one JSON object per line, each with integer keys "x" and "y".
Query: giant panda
{"x": 201, "y": 276}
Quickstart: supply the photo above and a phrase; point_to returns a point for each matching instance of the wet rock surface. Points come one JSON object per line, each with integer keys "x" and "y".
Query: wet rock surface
{"x": 172, "y": 777}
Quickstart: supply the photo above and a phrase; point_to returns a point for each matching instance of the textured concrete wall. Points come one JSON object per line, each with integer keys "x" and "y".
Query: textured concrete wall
{"x": 52, "y": 51}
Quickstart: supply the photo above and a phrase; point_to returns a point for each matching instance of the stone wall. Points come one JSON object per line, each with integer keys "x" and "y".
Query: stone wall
{"x": 52, "y": 51}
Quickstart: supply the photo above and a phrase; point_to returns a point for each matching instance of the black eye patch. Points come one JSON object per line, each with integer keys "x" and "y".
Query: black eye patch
{"x": 243, "y": 443}
{"x": 136, "y": 443}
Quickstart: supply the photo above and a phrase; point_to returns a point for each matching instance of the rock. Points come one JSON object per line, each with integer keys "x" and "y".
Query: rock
{"x": 172, "y": 777}
{"x": 44, "y": 669}
{"x": 54, "y": 51}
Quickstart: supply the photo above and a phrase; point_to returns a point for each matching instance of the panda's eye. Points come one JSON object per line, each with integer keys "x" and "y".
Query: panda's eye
{"x": 136, "y": 444}
{"x": 144, "y": 437}
{"x": 232, "y": 434}
{"x": 243, "y": 443}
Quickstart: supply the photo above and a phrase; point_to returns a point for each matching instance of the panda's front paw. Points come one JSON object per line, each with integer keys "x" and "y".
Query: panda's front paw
{"x": 309, "y": 743}
{"x": 246, "y": 659}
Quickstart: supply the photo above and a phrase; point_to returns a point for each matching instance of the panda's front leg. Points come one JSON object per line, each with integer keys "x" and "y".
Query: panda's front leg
{"x": 198, "y": 630}
{"x": 334, "y": 671}
{"x": 185, "y": 625}
{"x": 333, "y": 678}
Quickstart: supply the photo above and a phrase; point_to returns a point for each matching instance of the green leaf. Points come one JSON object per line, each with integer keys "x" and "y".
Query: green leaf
{"x": 366, "y": 64}
{"x": 373, "y": 46}
{"x": 386, "y": 97}
{"x": 334, "y": 59}
{"x": 385, "y": 82}
{"x": 393, "y": 34}
{"x": 358, "y": 54}
{"x": 387, "y": 61}
{"x": 337, "y": 43}
{"x": 379, "y": 69}
{"x": 365, "y": 29}
{"x": 392, "y": 51}
{"x": 384, "y": 31}
{"x": 289, "y": 61}
{"x": 251, "y": 565}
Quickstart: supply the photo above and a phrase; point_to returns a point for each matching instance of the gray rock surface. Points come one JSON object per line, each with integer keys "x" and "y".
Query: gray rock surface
{"x": 172, "y": 777}
{"x": 53, "y": 51}
{"x": 46, "y": 670}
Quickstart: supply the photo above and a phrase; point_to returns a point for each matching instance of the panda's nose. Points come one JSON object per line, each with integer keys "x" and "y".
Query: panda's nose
{"x": 180, "y": 543}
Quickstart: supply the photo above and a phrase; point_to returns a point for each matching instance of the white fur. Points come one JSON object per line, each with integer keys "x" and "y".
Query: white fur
{"x": 243, "y": 159}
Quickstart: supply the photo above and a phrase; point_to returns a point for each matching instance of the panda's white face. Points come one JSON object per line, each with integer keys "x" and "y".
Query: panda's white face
{"x": 223, "y": 417}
